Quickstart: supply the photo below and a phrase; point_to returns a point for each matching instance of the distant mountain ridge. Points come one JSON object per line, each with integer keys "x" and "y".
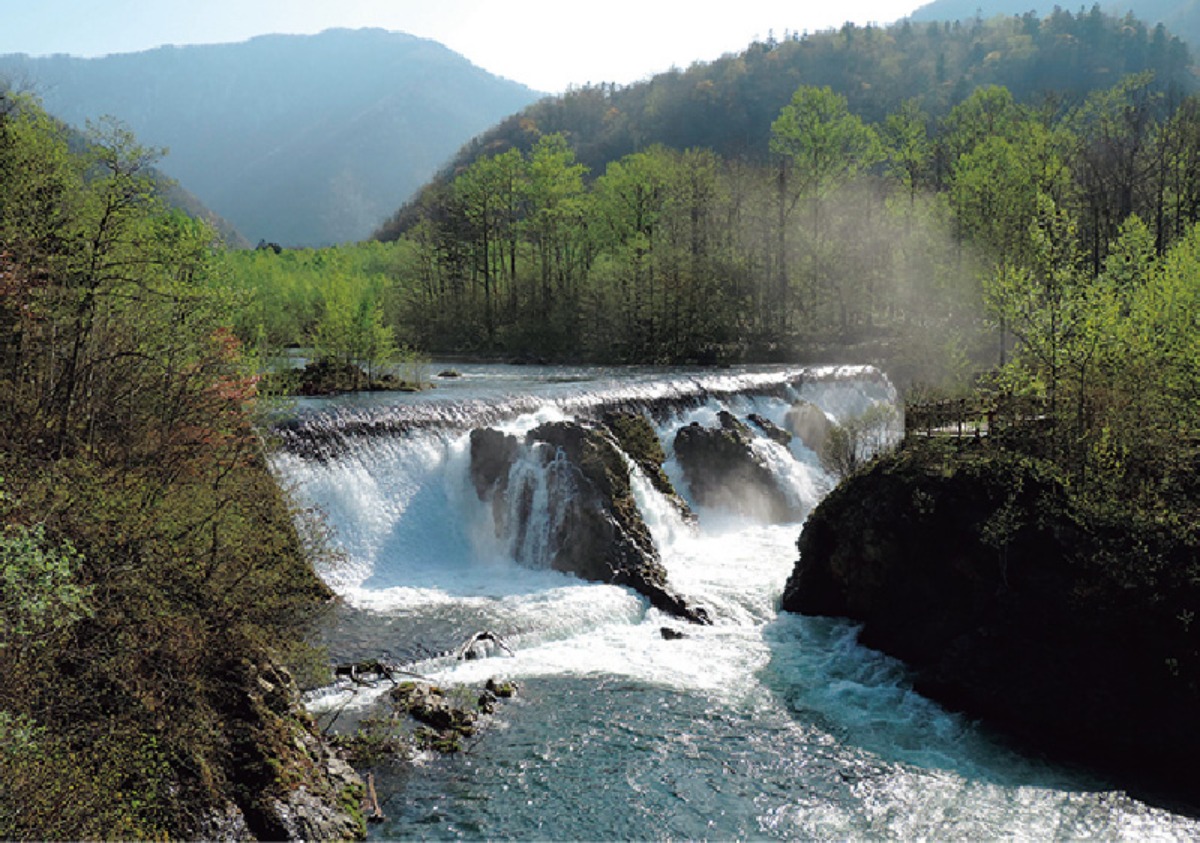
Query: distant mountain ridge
{"x": 728, "y": 105}
{"x": 301, "y": 140}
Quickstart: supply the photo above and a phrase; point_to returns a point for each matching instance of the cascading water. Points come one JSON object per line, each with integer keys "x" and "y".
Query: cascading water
{"x": 760, "y": 725}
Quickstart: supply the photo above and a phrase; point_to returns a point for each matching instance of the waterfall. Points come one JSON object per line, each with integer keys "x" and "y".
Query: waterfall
{"x": 754, "y": 725}
{"x": 393, "y": 478}
{"x": 540, "y": 485}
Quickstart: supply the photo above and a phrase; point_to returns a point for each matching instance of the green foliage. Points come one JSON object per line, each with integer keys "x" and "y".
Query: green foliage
{"x": 671, "y": 256}
{"x": 729, "y": 105}
{"x": 377, "y": 740}
{"x": 855, "y": 441}
{"x": 145, "y": 550}
{"x": 882, "y": 241}
{"x": 908, "y": 147}
{"x": 332, "y": 303}
{"x": 892, "y": 237}
{"x": 827, "y": 143}
{"x": 39, "y": 592}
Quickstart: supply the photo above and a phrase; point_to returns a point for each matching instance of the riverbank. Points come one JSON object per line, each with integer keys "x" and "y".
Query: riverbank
{"x": 761, "y": 725}
{"x": 1067, "y": 625}
{"x": 144, "y": 696}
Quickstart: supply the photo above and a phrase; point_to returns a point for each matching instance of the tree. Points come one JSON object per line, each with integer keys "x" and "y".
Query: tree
{"x": 1049, "y": 306}
{"x": 989, "y": 112}
{"x": 822, "y": 146}
{"x": 489, "y": 195}
{"x": 995, "y": 189}
{"x": 1149, "y": 421}
{"x": 1117, "y": 173}
{"x": 856, "y": 440}
{"x": 908, "y": 149}
{"x": 553, "y": 226}
{"x": 631, "y": 202}
{"x": 1179, "y": 151}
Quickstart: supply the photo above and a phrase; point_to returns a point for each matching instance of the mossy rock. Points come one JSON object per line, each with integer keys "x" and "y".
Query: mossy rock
{"x": 772, "y": 431}
{"x": 809, "y": 424}
{"x": 325, "y": 377}
{"x": 438, "y": 741}
{"x": 723, "y": 471}
{"x": 1015, "y": 601}
{"x": 445, "y": 718}
{"x": 502, "y": 690}
{"x": 639, "y": 440}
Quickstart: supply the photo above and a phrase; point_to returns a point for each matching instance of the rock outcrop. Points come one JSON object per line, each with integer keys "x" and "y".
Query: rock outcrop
{"x": 1013, "y": 604}
{"x": 286, "y": 784}
{"x": 417, "y": 716}
{"x": 808, "y": 423}
{"x": 593, "y": 528}
{"x": 492, "y": 456}
{"x": 772, "y": 431}
{"x": 323, "y": 377}
{"x": 639, "y": 441}
{"x": 724, "y": 472}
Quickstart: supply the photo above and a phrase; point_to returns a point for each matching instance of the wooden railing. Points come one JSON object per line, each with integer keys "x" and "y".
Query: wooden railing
{"x": 976, "y": 416}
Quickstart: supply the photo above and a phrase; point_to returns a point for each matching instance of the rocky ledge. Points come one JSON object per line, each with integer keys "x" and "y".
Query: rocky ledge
{"x": 326, "y": 378}
{"x": 418, "y": 716}
{"x": 1071, "y": 630}
{"x": 595, "y": 530}
{"x": 724, "y": 471}
{"x": 283, "y": 781}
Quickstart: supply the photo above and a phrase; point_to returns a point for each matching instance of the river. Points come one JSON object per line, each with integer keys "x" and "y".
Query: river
{"x": 763, "y": 725}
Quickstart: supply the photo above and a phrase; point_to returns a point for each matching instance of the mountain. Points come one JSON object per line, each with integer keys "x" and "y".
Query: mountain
{"x": 301, "y": 140}
{"x": 1182, "y": 17}
{"x": 176, "y": 196}
{"x": 169, "y": 191}
{"x": 728, "y": 105}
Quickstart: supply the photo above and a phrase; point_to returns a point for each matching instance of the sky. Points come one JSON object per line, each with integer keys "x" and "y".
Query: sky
{"x": 548, "y": 45}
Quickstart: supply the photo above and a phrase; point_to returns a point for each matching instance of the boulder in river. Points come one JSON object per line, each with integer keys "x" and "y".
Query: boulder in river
{"x": 809, "y": 424}
{"x": 592, "y": 526}
{"x": 639, "y": 441}
{"x": 772, "y": 431}
{"x": 1012, "y": 602}
{"x": 724, "y": 472}
{"x": 492, "y": 456}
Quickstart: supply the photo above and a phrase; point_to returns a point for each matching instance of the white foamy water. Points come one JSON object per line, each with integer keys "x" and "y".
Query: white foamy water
{"x": 760, "y": 725}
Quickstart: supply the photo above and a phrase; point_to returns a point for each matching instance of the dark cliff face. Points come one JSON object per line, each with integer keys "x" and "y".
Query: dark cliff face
{"x": 597, "y": 531}
{"x": 724, "y": 472}
{"x": 283, "y": 782}
{"x": 1012, "y": 603}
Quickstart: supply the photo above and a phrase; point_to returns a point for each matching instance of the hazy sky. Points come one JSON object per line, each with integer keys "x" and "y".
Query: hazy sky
{"x": 546, "y": 44}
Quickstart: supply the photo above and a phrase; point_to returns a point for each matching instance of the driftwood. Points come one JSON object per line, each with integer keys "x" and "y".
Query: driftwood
{"x": 467, "y": 651}
{"x": 371, "y": 806}
{"x": 369, "y": 671}
{"x": 355, "y": 671}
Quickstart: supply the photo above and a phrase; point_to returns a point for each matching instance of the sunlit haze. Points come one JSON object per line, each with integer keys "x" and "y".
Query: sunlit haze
{"x": 548, "y": 45}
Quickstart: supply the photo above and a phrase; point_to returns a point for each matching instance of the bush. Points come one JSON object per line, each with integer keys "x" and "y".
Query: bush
{"x": 855, "y": 441}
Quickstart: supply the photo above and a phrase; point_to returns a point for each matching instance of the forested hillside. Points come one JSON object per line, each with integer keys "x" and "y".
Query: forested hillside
{"x": 301, "y": 140}
{"x": 173, "y": 194}
{"x": 728, "y": 105}
{"x": 150, "y": 572}
{"x": 1179, "y": 18}
{"x": 842, "y": 228}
